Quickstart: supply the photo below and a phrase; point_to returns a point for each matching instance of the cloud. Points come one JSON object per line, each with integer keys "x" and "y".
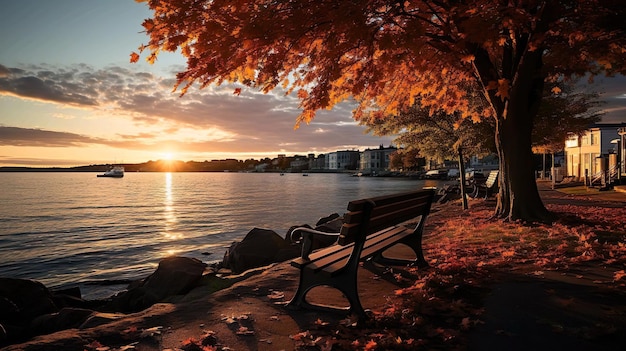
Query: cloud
{"x": 38, "y": 162}
{"x": 60, "y": 87}
{"x": 204, "y": 120}
{"x": 14, "y": 136}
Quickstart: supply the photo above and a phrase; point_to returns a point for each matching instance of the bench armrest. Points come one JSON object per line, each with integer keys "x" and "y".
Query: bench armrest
{"x": 307, "y": 239}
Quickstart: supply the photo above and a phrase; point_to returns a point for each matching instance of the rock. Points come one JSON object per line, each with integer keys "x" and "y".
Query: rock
{"x": 330, "y": 224}
{"x": 3, "y": 335}
{"x": 70, "y": 297}
{"x": 100, "y": 318}
{"x": 295, "y": 238}
{"x": 258, "y": 248}
{"x": 327, "y": 219}
{"x": 174, "y": 276}
{"x": 133, "y": 300}
{"x": 66, "y": 318}
{"x": 23, "y": 300}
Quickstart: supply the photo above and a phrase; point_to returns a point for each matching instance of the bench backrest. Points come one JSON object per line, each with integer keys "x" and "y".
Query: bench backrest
{"x": 368, "y": 216}
{"x": 491, "y": 180}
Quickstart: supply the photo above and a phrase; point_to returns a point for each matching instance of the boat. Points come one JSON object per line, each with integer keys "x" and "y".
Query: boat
{"x": 114, "y": 172}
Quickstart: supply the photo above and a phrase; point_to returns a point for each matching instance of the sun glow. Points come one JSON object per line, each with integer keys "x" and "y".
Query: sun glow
{"x": 167, "y": 156}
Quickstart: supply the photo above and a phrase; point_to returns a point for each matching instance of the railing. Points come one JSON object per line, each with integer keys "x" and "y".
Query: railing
{"x": 602, "y": 177}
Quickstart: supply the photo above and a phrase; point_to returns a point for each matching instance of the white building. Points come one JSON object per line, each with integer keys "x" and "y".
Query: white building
{"x": 590, "y": 154}
{"x": 342, "y": 160}
{"x": 376, "y": 160}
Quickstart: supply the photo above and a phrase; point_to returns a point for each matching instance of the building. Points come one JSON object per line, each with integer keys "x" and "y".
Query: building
{"x": 299, "y": 163}
{"x": 376, "y": 160}
{"x": 317, "y": 163}
{"x": 597, "y": 151}
{"x": 343, "y": 160}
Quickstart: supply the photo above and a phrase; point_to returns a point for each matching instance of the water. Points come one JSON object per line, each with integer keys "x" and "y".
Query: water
{"x": 74, "y": 229}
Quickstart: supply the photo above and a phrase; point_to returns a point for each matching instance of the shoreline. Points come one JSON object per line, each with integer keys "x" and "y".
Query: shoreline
{"x": 249, "y": 300}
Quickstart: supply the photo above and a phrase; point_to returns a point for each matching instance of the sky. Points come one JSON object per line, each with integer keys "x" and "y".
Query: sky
{"x": 69, "y": 96}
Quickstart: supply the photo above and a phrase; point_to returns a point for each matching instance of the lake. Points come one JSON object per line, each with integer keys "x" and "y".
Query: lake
{"x": 74, "y": 229}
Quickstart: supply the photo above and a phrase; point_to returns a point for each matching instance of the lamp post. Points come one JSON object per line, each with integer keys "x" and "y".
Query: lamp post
{"x": 618, "y": 146}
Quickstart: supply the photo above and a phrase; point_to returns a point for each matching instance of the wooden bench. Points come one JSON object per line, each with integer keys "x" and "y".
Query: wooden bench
{"x": 488, "y": 187}
{"x": 370, "y": 227}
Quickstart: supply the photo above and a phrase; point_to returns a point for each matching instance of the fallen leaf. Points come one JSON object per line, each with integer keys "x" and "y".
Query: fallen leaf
{"x": 151, "y": 331}
{"x": 244, "y": 331}
{"x": 276, "y": 295}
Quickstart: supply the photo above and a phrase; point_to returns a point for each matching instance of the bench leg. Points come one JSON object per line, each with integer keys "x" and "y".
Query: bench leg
{"x": 346, "y": 282}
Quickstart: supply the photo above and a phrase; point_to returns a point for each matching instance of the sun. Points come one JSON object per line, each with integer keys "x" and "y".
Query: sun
{"x": 167, "y": 156}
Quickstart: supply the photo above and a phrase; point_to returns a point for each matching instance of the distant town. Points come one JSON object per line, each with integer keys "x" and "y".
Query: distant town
{"x": 376, "y": 162}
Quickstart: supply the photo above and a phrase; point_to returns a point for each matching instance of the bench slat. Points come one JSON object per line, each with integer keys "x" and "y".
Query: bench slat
{"x": 373, "y": 247}
{"x": 388, "y": 211}
{"x": 339, "y": 257}
{"x": 370, "y": 227}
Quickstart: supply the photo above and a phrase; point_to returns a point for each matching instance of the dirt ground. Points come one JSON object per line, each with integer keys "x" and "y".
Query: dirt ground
{"x": 509, "y": 307}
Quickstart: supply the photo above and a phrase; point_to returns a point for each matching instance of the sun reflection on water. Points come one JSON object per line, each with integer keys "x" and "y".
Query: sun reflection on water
{"x": 169, "y": 213}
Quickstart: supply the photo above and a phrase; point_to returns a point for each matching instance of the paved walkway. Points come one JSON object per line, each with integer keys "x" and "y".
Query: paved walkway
{"x": 581, "y": 195}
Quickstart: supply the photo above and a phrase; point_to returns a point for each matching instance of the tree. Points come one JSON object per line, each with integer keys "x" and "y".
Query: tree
{"x": 387, "y": 54}
{"x": 407, "y": 160}
{"x": 440, "y": 136}
{"x": 437, "y": 136}
{"x": 569, "y": 112}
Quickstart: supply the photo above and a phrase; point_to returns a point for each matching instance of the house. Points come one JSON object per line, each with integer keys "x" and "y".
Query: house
{"x": 374, "y": 161}
{"x": 597, "y": 151}
{"x": 342, "y": 160}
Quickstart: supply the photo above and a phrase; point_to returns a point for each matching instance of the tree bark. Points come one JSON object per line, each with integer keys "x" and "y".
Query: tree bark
{"x": 462, "y": 178}
{"x": 518, "y": 197}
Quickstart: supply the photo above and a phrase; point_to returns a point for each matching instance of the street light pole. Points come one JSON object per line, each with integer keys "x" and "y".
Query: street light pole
{"x": 618, "y": 146}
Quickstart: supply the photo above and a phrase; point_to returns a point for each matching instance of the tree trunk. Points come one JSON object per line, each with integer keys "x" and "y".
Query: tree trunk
{"x": 518, "y": 197}
{"x": 462, "y": 178}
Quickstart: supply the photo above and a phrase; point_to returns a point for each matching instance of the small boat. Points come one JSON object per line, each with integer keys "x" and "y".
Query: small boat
{"x": 114, "y": 172}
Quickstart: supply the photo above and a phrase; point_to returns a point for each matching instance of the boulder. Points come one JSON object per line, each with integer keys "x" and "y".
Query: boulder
{"x": 329, "y": 224}
{"x": 174, "y": 276}
{"x": 257, "y": 249}
{"x": 66, "y": 318}
{"x": 328, "y": 218}
{"x": 21, "y": 301}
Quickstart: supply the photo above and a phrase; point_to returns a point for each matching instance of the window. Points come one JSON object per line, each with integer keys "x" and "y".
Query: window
{"x": 586, "y": 139}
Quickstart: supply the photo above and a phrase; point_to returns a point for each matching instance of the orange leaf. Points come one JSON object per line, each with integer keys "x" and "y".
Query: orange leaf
{"x": 371, "y": 345}
{"x": 134, "y": 57}
{"x": 468, "y": 59}
{"x": 503, "y": 88}
{"x": 237, "y": 91}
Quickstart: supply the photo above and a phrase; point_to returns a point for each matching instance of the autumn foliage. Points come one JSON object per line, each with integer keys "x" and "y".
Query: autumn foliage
{"x": 477, "y": 59}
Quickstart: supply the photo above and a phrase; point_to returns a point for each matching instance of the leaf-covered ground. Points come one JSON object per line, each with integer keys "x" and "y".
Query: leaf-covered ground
{"x": 565, "y": 280}
{"x": 491, "y": 285}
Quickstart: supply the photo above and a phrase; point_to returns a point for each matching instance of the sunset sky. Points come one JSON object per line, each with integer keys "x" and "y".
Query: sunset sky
{"x": 69, "y": 96}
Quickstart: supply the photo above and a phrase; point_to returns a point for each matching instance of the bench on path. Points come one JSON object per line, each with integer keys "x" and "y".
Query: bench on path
{"x": 488, "y": 187}
{"x": 370, "y": 227}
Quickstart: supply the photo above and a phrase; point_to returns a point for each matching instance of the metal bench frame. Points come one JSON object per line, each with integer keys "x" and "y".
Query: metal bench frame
{"x": 370, "y": 227}
{"x": 487, "y": 188}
